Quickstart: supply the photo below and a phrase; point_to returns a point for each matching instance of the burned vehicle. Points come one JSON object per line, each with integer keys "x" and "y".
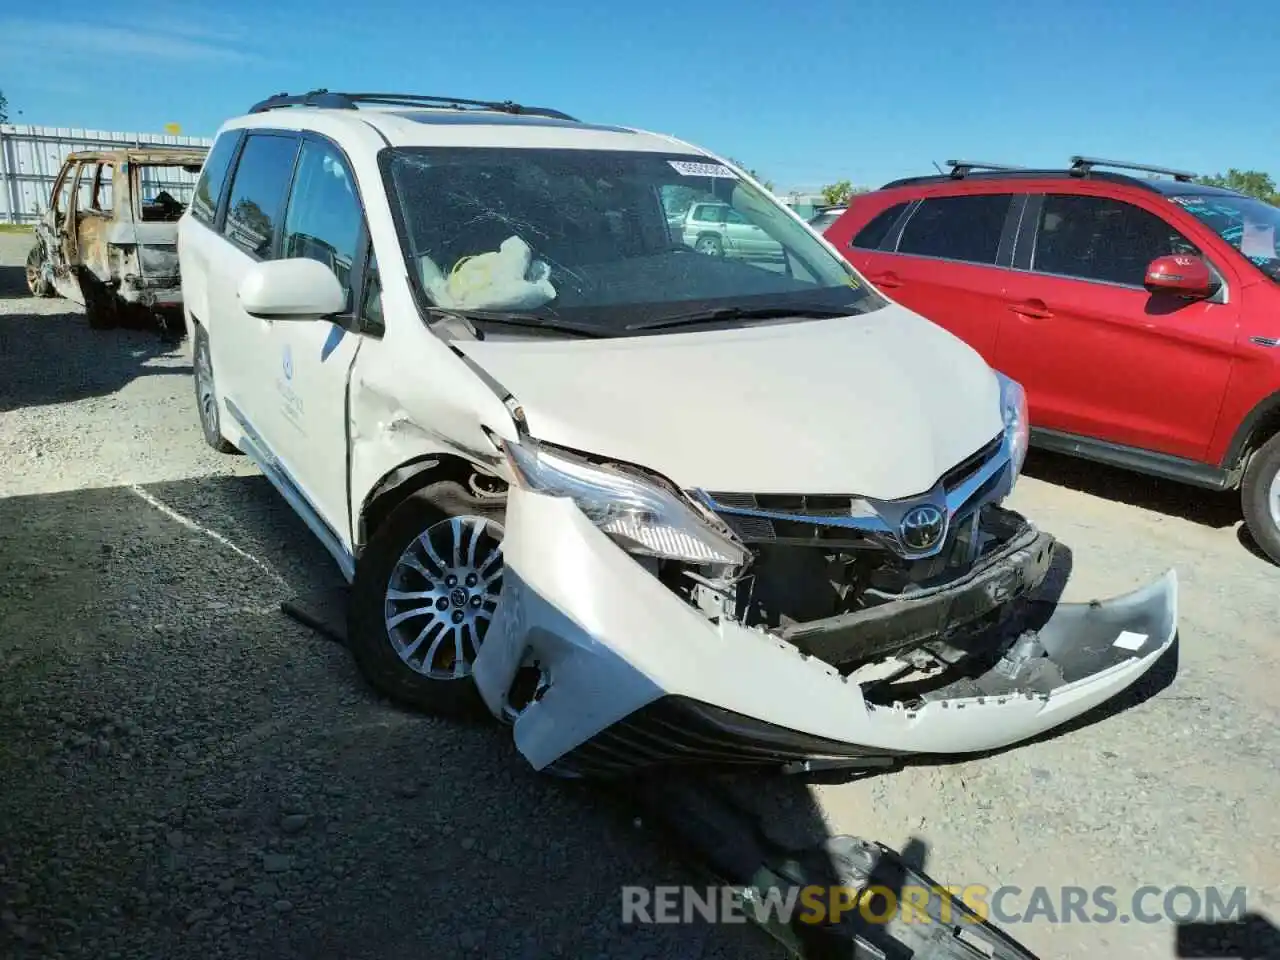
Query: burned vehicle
{"x": 646, "y": 504}
{"x": 109, "y": 239}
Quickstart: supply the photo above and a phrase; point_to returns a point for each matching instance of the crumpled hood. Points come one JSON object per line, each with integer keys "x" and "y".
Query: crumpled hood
{"x": 878, "y": 405}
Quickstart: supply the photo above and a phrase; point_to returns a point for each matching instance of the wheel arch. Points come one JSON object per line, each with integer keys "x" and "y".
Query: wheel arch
{"x": 400, "y": 482}
{"x": 1258, "y": 426}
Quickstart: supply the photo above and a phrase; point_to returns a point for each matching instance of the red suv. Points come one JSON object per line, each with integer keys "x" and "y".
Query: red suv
{"x": 1141, "y": 312}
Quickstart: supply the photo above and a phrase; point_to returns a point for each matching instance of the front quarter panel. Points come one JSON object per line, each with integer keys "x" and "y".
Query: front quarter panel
{"x": 411, "y": 396}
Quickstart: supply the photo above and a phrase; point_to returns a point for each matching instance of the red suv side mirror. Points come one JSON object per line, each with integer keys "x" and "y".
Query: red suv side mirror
{"x": 1180, "y": 273}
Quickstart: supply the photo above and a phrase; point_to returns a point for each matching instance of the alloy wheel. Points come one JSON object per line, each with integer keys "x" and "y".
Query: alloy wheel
{"x": 1273, "y": 500}
{"x": 441, "y": 596}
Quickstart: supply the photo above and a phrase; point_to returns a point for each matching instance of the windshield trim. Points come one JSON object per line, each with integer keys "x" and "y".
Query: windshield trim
{"x": 869, "y": 300}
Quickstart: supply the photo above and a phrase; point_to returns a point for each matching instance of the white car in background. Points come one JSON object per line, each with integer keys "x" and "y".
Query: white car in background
{"x": 823, "y": 219}
{"x": 648, "y": 505}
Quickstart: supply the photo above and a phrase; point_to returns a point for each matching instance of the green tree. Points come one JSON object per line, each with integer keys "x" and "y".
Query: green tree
{"x": 4, "y": 108}
{"x": 754, "y": 174}
{"x": 834, "y": 194}
{"x": 1253, "y": 182}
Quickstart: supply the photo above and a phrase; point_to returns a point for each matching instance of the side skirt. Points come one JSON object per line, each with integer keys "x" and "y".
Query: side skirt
{"x": 256, "y": 449}
{"x": 1162, "y": 465}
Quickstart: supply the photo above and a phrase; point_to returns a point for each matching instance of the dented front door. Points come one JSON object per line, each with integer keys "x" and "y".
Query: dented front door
{"x": 306, "y": 421}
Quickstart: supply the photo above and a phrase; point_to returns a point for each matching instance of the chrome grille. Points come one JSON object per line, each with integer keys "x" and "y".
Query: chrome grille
{"x": 850, "y": 522}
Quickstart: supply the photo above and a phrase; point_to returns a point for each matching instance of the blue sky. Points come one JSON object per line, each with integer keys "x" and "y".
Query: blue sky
{"x": 806, "y": 92}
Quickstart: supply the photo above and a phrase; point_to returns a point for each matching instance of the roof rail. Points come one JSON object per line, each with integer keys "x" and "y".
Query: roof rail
{"x": 961, "y": 168}
{"x": 331, "y": 100}
{"x": 1080, "y": 167}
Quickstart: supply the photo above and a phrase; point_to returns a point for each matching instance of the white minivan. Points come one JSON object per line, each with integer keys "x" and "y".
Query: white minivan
{"x": 643, "y": 502}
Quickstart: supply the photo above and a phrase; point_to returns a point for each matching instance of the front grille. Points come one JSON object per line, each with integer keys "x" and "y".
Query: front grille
{"x": 967, "y": 467}
{"x": 677, "y": 730}
{"x": 797, "y": 519}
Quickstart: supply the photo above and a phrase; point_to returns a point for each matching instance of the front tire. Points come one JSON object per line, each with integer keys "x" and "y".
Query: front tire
{"x": 710, "y": 245}
{"x": 1260, "y": 498}
{"x": 425, "y": 590}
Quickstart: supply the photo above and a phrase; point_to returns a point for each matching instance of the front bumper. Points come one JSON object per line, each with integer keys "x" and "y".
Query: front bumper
{"x": 635, "y": 677}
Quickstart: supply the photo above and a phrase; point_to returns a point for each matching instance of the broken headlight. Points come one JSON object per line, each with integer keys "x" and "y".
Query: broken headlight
{"x": 1017, "y": 426}
{"x": 641, "y": 516}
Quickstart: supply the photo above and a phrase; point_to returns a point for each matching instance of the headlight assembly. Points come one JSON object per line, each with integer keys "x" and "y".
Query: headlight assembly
{"x": 642, "y": 517}
{"x": 1017, "y": 426}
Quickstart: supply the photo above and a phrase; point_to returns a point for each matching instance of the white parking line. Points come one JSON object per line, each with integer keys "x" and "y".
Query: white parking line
{"x": 211, "y": 534}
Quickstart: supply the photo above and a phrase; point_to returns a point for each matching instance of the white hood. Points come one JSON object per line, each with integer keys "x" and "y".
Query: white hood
{"x": 879, "y": 405}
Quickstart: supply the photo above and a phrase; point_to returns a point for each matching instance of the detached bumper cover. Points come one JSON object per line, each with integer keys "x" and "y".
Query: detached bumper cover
{"x": 637, "y": 678}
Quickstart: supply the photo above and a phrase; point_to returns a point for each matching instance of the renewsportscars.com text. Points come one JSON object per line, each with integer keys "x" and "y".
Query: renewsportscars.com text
{"x": 917, "y": 904}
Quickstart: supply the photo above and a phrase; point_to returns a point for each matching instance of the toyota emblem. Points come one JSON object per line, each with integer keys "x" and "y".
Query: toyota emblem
{"x": 922, "y": 527}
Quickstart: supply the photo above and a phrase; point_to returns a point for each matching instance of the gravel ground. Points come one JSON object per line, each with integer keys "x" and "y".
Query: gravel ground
{"x": 184, "y": 772}
{"x": 187, "y": 773}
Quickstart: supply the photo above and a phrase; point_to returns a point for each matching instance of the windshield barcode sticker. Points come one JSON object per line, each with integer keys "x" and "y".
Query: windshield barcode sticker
{"x": 692, "y": 169}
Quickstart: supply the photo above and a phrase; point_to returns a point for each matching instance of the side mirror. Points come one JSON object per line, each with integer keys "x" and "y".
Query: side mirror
{"x": 295, "y": 289}
{"x": 1180, "y": 274}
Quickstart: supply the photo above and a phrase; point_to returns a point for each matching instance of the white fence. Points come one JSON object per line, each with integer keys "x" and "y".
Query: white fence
{"x": 30, "y": 158}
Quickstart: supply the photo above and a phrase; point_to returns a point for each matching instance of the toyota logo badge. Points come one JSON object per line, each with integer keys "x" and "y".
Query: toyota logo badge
{"x": 922, "y": 527}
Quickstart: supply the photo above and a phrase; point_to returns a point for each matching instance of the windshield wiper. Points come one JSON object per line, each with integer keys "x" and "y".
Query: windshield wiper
{"x": 742, "y": 313}
{"x": 513, "y": 319}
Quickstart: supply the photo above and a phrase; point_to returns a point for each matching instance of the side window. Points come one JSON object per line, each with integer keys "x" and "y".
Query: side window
{"x": 709, "y": 213}
{"x": 1097, "y": 238}
{"x": 102, "y": 189}
{"x": 62, "y": 199}
{"x": 257, "y": 192}
{"x": 734, "y": 217}
{"x": 964, "y": 228}
{"x": 872, "y": 235}
{"x": 323, "y": 219}
{"x": 213, "y": 175}
{"x": 84, "y": 188}
{"x": 371, "y": 301}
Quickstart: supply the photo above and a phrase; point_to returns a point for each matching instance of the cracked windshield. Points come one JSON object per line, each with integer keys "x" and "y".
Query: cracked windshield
{"x": 608, "y": 240}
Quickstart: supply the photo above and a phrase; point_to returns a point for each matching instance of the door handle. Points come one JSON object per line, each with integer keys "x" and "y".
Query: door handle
{"x": 1033, "y": 308}
{"x": 887, "y": 279}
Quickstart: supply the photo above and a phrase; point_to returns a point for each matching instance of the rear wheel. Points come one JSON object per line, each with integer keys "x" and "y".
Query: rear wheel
{"x": 1260, "y": 497}
{"x": 424, "y": 593}
{"x": 37, "y": 281}
{"x": 207, "y": 393}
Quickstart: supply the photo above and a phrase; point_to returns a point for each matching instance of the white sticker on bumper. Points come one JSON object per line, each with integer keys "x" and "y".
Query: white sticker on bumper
{"x": 1129, "y": 640}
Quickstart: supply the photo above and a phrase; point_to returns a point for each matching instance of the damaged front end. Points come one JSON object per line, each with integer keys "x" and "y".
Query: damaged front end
{"x": 790, "y": 631}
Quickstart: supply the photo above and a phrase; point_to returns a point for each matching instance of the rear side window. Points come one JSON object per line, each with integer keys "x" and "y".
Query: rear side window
{"x": 1097, "y": 238}
{"x": 257, "y": 191}
{"x": 708, "y": 213}
{"x": 964, "y": 228}
{"x": 872, "y": 235}
{"x": 204, "y": 206}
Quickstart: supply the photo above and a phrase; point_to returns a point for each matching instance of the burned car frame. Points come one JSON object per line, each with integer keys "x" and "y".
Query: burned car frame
{"x": 108, "y": 239}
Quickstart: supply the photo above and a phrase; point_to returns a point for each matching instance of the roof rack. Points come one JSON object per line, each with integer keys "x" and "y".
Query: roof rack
{"x": 961, "y": 168}
{"x": 332, "y": 100}
{"x": 1080, "y": 167}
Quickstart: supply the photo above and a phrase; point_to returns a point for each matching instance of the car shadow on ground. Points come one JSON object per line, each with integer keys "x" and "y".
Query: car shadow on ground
{"x": 53, "y": 357}
{"x": 1250, "y": 937}
{"x": 1206, "y": 507}
{"x": 190, "y": 773}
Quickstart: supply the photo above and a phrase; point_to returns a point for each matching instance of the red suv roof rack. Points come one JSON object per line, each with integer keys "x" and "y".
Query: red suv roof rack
{"x": 1080, "y": 167}
{"x": 961, "y": 168}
